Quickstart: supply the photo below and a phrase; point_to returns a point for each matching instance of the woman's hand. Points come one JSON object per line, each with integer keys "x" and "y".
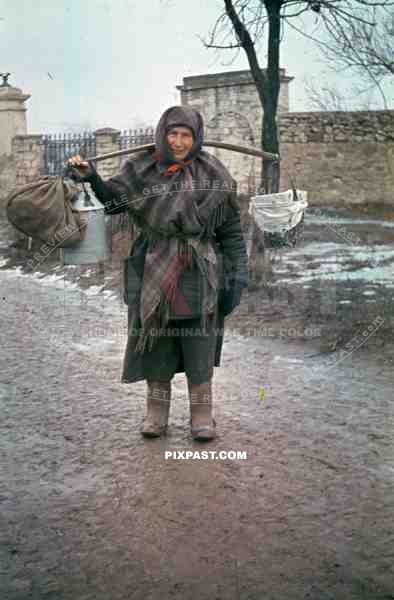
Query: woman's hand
{"x": 79, "y": 167}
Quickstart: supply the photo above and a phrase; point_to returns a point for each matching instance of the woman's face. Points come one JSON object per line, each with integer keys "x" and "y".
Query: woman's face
{"x": 180, "y": 140}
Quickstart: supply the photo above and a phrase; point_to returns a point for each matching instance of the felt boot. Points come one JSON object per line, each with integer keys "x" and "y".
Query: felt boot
{"x": 157, "y": 408}
{"x": 202, "y": 424}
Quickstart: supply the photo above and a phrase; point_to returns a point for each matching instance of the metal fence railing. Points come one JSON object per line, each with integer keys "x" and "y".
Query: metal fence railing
{"x": 136, "y": 137}
{"x": 58, "y": 147}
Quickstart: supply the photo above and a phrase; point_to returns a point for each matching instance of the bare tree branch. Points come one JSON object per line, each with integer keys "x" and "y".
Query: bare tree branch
{"x": 351, "y": 34}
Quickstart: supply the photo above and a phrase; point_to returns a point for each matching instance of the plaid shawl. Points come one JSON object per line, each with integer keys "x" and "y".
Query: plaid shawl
{"x": 177, "y": 205}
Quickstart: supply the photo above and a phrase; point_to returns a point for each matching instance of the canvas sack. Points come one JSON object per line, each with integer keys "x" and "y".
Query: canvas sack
{"x": 43, "y": 210}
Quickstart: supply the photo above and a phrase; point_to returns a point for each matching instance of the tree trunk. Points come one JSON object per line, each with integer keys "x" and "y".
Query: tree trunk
{"x": 267, "y": 85}
{"x": 260, "y": 256}
{"x": 270, "y": 141}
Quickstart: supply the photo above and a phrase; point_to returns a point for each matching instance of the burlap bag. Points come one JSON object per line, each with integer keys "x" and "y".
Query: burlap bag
{"x": 43, "y": 210}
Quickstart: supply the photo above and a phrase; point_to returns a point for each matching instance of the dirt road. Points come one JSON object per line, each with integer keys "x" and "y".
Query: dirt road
{"x": 90, "y": 511}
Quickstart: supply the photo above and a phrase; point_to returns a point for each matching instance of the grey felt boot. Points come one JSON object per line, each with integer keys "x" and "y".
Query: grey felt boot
{"x": 157, "y": 408}
{"x": 202, "y": 424}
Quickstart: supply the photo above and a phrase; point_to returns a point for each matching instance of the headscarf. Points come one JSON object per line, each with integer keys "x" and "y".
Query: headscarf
{"x": 178, "y": 116}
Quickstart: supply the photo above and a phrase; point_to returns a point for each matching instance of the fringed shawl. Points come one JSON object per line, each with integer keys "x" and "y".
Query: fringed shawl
{"x": 178, "y": 215}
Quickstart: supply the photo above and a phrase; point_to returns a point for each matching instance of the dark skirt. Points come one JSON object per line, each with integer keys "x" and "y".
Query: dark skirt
{"x": 180, "y": 348}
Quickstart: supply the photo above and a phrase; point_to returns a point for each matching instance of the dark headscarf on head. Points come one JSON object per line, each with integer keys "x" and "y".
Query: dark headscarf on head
{"x": 178, "y": 116}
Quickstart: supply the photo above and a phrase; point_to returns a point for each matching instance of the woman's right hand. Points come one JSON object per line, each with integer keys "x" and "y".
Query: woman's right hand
{"x": 80, "y": 167}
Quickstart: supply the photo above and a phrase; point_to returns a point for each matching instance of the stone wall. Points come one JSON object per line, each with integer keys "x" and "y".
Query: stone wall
{"x": 340, "y": 158}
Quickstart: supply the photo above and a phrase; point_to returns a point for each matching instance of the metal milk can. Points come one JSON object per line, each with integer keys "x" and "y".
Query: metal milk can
{"x": 94, "y": 247}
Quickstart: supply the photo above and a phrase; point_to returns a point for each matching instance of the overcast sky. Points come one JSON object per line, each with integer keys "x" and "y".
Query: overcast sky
{"x": 95, "y": 63}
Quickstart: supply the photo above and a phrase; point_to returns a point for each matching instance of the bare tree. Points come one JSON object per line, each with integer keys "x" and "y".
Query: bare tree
{"x": 366, "y": 48}
{"x": 328, "y": 96}
{"x": 325, "y": 97}
{"x": 245, "y": 23}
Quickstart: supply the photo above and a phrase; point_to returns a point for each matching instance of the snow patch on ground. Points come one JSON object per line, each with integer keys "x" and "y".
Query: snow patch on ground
{"x": 287, "y": 359}
{"x": 331, "y": 261}
{"x": 317, "y": 220}
{"x": 94, "y": 290}
{"x": 58, "y": 281}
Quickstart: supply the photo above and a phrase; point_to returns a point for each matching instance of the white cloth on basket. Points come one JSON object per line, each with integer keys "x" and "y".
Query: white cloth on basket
{"x": 277, "y": 213}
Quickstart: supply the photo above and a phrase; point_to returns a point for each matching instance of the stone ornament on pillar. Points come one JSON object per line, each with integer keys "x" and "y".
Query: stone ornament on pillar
{"x": 5, "y": 77}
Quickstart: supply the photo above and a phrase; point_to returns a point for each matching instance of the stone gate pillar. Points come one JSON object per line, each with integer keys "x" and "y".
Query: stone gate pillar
{"x": 12, "y": 114}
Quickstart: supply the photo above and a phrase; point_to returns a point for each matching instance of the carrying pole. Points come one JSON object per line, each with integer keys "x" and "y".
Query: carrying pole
{"x": 235, "y": 147}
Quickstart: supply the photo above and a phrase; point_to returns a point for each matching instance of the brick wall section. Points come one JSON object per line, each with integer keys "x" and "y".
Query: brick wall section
{"x": 22, "y": 166}
{"x": 107, "y": 140}
{"x": 7, "y": 183}
{"x": 340, "y": 158}
{"x": 28, "y": 155}
{"x": 7, "y": 176}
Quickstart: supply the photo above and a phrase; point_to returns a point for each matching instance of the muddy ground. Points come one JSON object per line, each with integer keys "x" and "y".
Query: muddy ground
{"x": 90, "y": 510}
